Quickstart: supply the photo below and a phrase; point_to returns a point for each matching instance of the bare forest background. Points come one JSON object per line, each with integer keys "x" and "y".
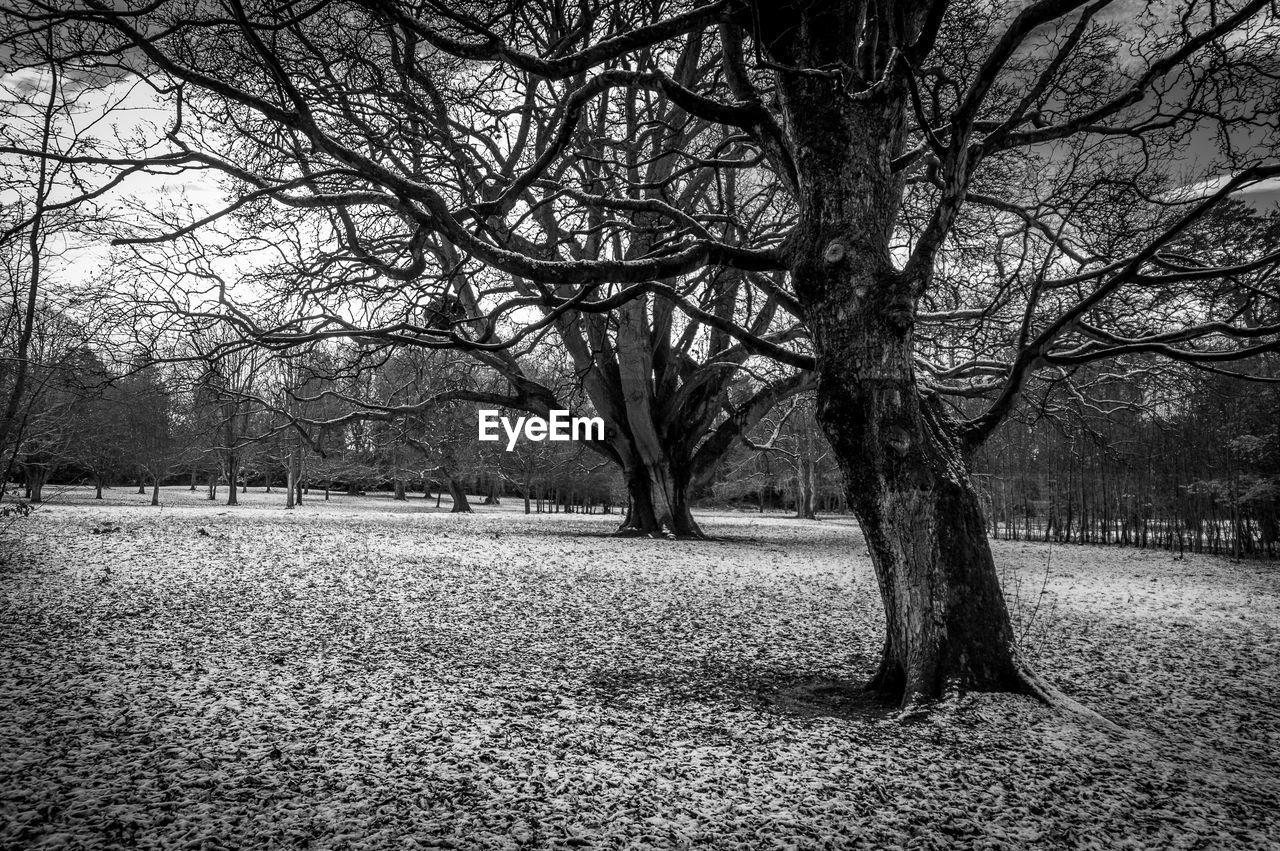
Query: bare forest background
{"x": 114, "y": 375}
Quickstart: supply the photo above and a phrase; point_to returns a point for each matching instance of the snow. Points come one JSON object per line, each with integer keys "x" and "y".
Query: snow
{"x": 364, "y": 673}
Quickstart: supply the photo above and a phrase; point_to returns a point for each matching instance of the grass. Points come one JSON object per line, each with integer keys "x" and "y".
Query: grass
{"x": 364, "y": 673}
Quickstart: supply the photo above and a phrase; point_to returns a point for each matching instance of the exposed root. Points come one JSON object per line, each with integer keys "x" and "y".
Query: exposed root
{"x": 889, "y": 683}
{"x": 628, "y": 529}
{"x": 1055, "y": 699}
{"x": 915, "y": 706}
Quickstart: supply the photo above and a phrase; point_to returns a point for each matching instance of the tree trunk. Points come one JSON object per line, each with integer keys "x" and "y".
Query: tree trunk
{"x": 657, "y": 482}
{"x": 459, "y": 495}
{"x": 36, "y": 477}
{"x": 658, "y": 509}
{"x": 905, "y": 471}
{"x": 299, "y": 486}
{"x": 907, "y": 482}
{"x": 233, "y": 472}
{"x": 398, "y": 486}
{"x": 155, "y": 489}
{"x": 290, "y": 482}
{"x": 804, "y": 488}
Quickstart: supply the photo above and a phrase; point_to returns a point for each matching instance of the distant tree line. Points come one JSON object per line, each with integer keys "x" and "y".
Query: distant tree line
{"x": 1198, "y": 470}
{"x": 242, "y": 418}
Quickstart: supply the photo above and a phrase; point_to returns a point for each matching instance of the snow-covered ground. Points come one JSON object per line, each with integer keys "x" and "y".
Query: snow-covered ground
{"x": 363, "y": 673}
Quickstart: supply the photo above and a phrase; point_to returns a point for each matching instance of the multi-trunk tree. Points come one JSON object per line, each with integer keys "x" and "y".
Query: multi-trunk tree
{"x": 843, "y": 162}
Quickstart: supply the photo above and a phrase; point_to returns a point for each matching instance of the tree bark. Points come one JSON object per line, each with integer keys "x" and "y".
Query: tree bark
{"x": 658, "y": 508}
{"x": 36, "y": 477}
{"x": 804, "y": 487}
{"x": 658, "y": 487}
{"x": 233, "y": 472}
{"x": 459, "y": 495}
{"x": 299, "y": 481}
{"x": 904, "y": 466}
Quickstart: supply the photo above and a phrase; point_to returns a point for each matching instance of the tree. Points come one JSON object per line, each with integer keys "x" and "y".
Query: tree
{"x": 223, "y": 399}
{"x": 93, "y": 418}
{"x": 46, "y": 203}
{"x": 153, "y": 443}
{"x": 894, "y": 138}
{"x": 791, "y": 434}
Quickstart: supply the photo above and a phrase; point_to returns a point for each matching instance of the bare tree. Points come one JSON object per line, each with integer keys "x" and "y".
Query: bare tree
{"x": 49, "y": 200}
{"x": 576, "y": 162}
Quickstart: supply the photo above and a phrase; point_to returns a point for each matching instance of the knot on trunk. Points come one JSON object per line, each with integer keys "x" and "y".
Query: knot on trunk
{"x": 901, "y": 313}
{"x": 899, "y": 440}
{"x": 834, "y": 252}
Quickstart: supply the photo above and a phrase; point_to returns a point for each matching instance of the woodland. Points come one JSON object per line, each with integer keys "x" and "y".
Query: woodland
{"x": 926, "y": 336}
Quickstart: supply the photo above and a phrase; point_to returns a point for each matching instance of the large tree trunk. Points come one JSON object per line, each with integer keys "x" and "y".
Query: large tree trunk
{"x": 459, "y": 495}
{"x": 658, "y": 508}
{"x": 904, "y": 466}
{"x": 658, "y": 487}
{"x": 907, "y": 481}
{"x": 36, "y": 477}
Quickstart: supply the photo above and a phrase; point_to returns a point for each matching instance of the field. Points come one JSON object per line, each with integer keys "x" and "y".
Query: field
{"x": 363, "y": 673}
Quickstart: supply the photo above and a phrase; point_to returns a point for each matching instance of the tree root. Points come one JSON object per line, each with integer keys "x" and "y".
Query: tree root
{"x": 1036, "y": 687}
{"x": 918, "y": 704}
{"x": 628, "y": 531}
